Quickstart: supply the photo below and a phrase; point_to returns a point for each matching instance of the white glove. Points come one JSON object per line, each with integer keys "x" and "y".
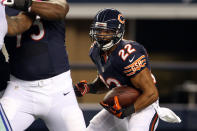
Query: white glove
{"x": 166, "y": 114}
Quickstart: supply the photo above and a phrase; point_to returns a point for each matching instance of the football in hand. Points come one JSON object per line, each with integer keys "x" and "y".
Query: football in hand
{"x": 126, "y": 96}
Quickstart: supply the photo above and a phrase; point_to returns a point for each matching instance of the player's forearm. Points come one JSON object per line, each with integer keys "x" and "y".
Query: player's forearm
{"x": 144, "y": 82}
{"x": 97, "y": 86}
{"x": 145, "y": 100}
{"x": 18, "y": 24}
{"x": 49, "y": 11}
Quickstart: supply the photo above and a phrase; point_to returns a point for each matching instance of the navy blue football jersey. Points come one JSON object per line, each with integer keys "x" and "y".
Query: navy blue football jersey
{"x": 40, "y": 52}
{"x": 127, "y": 60}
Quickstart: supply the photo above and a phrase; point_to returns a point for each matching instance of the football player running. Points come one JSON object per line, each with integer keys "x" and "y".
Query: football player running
{"x": 40, "y": 83}
{"x": 120, "y": 62}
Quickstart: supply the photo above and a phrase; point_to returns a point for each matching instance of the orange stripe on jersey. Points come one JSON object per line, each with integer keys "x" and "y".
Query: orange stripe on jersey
{"x": 152, "y": 126}
{"x": 129, "y": 66}
{"x": 135, "y": 71}
{"x": 142, "y": 64}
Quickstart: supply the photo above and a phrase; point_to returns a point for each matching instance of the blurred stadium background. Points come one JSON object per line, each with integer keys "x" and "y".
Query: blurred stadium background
{"x": 167, "y": 28}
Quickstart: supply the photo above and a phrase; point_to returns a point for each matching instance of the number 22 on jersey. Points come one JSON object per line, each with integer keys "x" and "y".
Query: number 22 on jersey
{"x": 124, "y": 53}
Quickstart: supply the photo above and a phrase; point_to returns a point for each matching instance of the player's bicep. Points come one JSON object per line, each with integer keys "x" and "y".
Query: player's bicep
{"x": 50, "y": 10}
{"x": 144, "y": 81}
{"x": 62, "y": 3}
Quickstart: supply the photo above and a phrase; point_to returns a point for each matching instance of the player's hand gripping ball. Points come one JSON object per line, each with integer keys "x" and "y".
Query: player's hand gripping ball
{"x": 119, "y": 101}
{"x": 126, "y": 96}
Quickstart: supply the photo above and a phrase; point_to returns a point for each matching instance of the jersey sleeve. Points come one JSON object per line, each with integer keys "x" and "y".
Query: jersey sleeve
{"x": 135, "y": 62}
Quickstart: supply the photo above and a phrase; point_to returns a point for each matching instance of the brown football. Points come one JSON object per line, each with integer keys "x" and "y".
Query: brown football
{"x": 126, "y": 96}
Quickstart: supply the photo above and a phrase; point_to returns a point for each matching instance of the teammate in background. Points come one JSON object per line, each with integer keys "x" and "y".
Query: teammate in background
{"x": 119, "y": 62}
{"x": 40, "y": 83}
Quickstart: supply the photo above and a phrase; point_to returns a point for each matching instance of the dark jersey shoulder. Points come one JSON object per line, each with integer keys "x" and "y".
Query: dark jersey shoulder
{"x": 40, "y": 52}
{"x": 127, "y": 60}
{"x": 130, "y": 57}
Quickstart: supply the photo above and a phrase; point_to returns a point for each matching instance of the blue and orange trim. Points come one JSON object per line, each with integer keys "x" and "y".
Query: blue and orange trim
{"x": 4, "y": 119}
{"x": 153, "y": 122}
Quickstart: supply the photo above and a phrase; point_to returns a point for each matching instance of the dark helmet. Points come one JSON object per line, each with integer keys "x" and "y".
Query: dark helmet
{"x": 107, "y": 19}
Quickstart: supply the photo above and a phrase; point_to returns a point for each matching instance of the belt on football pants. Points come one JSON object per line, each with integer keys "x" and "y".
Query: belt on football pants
{"x": 41, "y": 82}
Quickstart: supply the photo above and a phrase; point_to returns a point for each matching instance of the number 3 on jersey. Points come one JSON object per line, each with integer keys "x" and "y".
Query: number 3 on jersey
{"x": 41, "y": 33}
{"x": 36, "y": 37}
{"x": 124, "y": 53}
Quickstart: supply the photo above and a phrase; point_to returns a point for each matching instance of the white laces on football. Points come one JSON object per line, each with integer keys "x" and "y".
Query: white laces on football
{"x": 166, "y": 114}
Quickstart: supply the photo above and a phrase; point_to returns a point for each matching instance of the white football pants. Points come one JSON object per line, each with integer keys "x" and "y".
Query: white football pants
{"x": 52, "y": 100}
{"x": 145, "y": 120}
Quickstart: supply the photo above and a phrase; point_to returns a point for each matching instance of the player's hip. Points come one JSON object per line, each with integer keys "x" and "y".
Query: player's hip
{"x": 62, "y": 81}
{"x": 39, "y": 95}
{"x": 32, "y": 72}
